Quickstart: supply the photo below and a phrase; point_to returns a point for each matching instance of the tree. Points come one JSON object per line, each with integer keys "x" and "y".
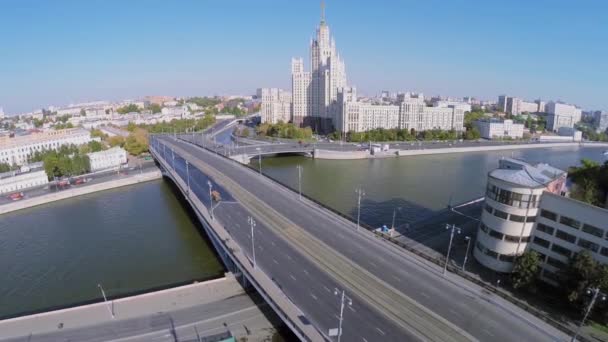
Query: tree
{"x": 128, "y": 109}
{"x": 97, "y": 133}
{"x": 116, "y": 140}
{"x": 526, "y": 270}
{"x": 155, "y": 108}
{"x": 471, "y": 117}
{"x": 582, "y": 273}
{"x": 131, "y": 127}
{"x": 472, "y": 134}
{"x": 4, "y": 167}
{"x": 244, "y": 132}
{"x": 137, "y": 142}
{"x": 95, "y": 146}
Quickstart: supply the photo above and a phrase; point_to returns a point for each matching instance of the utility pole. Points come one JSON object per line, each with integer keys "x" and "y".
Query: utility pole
{"x": 210, "y": 199}
{"x": 343, "y": 300}
{"x": 596, "y": 292}
{"x": 300, "y": 180}
{"x": 252, "y": 224}
{"x": 466, "y": 255}
{"x": 359, "y": 193}
{"x": 259, "y": 159}
{"x": 173, "y": 154}
{"x": 105, "y": 299}
{"x": 447, "y": 258}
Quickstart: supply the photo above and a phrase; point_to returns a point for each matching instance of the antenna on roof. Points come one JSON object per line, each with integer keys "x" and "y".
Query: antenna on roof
{"x": 322, "y": 11}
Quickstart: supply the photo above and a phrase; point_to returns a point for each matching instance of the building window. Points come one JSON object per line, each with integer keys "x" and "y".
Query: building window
{"x": 589, "y": 229}
{"x": 604, "y": 251}
{"x": 550, "y": 275}
{"x": 506, "y": 258}
{"x": 556, "y": 263}
{"x": 484, "y": 228}
{"x": 561, "y": 250}
{"x": 511, "y": 238}
{"x": 548, "y": 215}
{"x": 531, "y": 219}
{"x": 544, "y": 228}
{"x": 541, "y": 242}
{"x": 541, "y": 256}
{"x": 592, "y": 246}
{"x": 500, "y": 214}
{"x": 526, "y": 239}
{"x": 496, "y": 234}
{"x": 560, "y": 234}
{"x": 570, "y": 222}
{"x": 517, "y": 218}
{"x": 488, "y": 208}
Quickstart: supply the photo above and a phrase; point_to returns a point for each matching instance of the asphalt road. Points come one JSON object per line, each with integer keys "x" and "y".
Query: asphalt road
{"x": 92, "y": 178}
{"x": 481, "y": 314}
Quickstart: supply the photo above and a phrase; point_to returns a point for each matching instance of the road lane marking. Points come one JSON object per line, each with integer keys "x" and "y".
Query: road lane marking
{"x": 487, "y": 332}
{"x": 364, "y": 339}
{"x": 292, "y": 277}
{"x": 352, "y": 309}
{"x": 313, "y": 296}
{"x": 275, "y": 261}
{"x": 306, "y": 272}
{"x": 397, "y": 278}
{"x": 326, "y": 288}
{"x": 380, "y": 331}
{"x": 454, "y": 312}
{"x": 373, "y": 264}
{"x": 425, "y": 295}
{"x": 272, "y": 243}
{"x": 288, "y": 257}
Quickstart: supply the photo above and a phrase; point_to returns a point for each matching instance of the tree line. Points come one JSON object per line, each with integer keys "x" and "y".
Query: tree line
{"x": 284, "y": 130}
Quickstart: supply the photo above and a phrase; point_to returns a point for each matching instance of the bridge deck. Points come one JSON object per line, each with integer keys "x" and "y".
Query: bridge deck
{"x": 309, "y": 251}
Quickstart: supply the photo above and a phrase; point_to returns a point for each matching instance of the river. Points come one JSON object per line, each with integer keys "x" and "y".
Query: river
{"x": 129, "y": 240}
{"x": 419, "y": 185}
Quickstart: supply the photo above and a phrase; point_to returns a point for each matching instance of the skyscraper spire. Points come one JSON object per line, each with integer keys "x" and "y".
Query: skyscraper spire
{"x": 322, "y": 12}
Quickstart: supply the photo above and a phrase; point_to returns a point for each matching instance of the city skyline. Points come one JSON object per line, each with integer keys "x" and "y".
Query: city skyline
{"x": 50, "y": 62}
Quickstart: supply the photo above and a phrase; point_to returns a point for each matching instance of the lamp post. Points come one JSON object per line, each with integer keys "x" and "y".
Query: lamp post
{"x": 251, "y": 221}
{"x": 188, "y": 176}
{"x": 596, "y": 292}
{"x": 394, "y": 213}
{"x": 210, "y": 198}
{"x": 447, "y": 257}
{"x": 173, "y": 154}
{"x": 343, "y": 300}
{"x": 105, "y": 299}
{"x": 359, "y": 193}
{"x": 466, "y": 254}
{"x": 300, "y": 180}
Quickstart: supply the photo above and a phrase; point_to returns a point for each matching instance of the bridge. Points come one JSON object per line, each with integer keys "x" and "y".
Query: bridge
{"x": 302, "y": 258}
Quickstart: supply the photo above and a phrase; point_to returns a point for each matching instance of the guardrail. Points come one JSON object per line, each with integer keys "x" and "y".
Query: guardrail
{"x": 438, "y": 261}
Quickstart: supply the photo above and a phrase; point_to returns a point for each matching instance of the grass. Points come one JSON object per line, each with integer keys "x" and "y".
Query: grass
{"x": 599, "y": 327}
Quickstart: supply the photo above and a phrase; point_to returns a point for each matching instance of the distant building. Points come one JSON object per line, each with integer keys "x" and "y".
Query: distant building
{"x": 600, "y": 120}
{"x": 158, "y": 100}
{"x": 1, "y": 114}
{"x": 113, "y": 131}
{"x": 415, "y": 114}
{"x": 17, "y": 150}
{"x": 512, "y": 200}
{"x": 19, "y": 181}
{"x": 497, "y": 129}
{"x": 276, "y": 105}
{"x": 109, "y": 159}
{"x": 453, "y": 104}
{"x": 561, "y": 115}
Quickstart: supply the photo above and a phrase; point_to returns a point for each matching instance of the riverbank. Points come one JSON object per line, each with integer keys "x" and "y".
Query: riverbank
{"x": 418, "y": 151}
{"x": 124, "y": 309}
{"x": 80, "y": 190}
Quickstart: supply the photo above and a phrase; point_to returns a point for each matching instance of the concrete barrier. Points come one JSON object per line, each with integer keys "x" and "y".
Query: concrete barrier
{"x": 78, "y": 191}
{"x": 337, "y": 155}
{"x": 126, "y": 308}
{"x": 481, "y": 148}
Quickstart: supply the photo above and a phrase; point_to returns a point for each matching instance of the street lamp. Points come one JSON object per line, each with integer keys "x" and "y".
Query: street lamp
{"x": 300, "y": 180}
{"x": 173, "y": 154}
{"x": 210, "y": 198}
{"x": 447, "y": 257}
{"x": 252, "y": 224}
{"x": 394, "y": 213}
{"x": 343, "y": 299}
{"x": 466, "y": 255}
{"x": 359, "y": 193}
{"x": 105, "y": 299}
{"x": 596, "y": 292}
{"x": 188, "y": 176}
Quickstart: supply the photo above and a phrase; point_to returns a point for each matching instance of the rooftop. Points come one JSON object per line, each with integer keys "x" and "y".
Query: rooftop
{"x": 522, "y": 173}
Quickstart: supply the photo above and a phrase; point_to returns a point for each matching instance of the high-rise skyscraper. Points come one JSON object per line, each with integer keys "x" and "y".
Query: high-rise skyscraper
{"x": 315, "y": 92}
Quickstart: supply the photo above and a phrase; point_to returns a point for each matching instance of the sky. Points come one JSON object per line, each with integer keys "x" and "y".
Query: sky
{"x": 69, "y": 51}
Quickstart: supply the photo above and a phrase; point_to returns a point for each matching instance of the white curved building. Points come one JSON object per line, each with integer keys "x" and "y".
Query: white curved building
{"x": 511, "y": 205}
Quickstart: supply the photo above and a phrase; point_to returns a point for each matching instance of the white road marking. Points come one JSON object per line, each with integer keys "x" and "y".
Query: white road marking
{"x": 397, "y": 278}
{"x": 364, "y": 340}
{"x": 313, "y": 296}
{"x": 306, "y": 272}
{"x": 380, "y": 331}
{"x": 326, "y": 288}
{"x": 487, "y": 332}
{"x": 275, "y": 261}
{"x": 372, "y": 263}
{"x": 272, "y": 243}
{"x": 288, "y": 257}
{"x": 352, "y": 309}
{"x": 453, "y": 312}
{"x": 292, "y": 277}
{"x": 425, "y": 295}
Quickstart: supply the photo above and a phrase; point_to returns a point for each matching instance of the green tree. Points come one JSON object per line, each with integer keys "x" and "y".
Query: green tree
{"x": 582, "y": 273}
{"x": 526, "y": 270}
{"x": 472, "y": 134}
{"x": 131, "y": 127}
{"x": 4, "y": 167}
{"x": 97, "y": 133}
{"x": 37, "y": 123}
{"x": 471, "y": 117}
{"x": 128, "y": 109}
{"x": 95, "y": 146}
{"x": 155, "y": 108}
{"x": 116, "y": 140}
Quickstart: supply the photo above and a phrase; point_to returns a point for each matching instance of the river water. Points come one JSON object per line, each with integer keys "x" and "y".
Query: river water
{"x": 129, "y": 240}
{"x": 419, "y": 185}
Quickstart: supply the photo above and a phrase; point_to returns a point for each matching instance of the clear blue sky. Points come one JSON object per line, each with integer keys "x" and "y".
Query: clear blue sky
{"x": 60, "y": 51}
